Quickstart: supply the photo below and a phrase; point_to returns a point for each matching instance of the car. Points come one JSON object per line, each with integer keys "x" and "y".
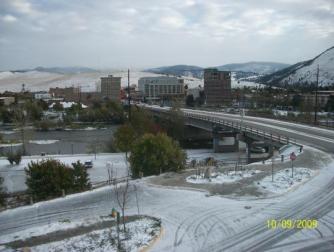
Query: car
{"x": 88, "y": 164}
{"x": 257, "y": 149}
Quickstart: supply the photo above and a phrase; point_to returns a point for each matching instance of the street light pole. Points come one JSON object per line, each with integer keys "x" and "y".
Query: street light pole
{"x": 129, "y": 98}
{"x": 316, "y": 97}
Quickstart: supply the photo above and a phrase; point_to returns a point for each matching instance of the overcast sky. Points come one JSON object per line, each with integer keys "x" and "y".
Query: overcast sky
{"x": 145, "y": 33}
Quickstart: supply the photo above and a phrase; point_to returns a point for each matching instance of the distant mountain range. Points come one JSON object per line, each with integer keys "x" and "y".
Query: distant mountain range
{"x": 179, "y": 70}
{"x": 260, "y": 68}
{"x": 305, "y": 73}
{"x": 59, "y": 70}
{"x": 242, "y": 69}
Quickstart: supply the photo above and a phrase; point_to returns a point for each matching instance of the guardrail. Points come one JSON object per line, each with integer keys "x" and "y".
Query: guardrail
{"x": 244, "y": 128}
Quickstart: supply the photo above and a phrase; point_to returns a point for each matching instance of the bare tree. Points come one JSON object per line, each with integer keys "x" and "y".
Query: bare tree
{"x": 122, "y": 198}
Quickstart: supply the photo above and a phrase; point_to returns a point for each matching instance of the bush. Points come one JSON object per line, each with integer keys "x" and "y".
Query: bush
{"x": 47, "y": 178}
{"x": 154, "y": 154}
{"x": 14, "y": 157}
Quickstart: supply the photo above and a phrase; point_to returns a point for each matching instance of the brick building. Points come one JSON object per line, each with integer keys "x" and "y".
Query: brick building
{"x": 217, "y": 86}
{"x": 111, "y": 87}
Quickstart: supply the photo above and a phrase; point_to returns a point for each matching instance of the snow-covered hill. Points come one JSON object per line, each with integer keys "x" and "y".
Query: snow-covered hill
{"x": 259, "y": 68}
{"x": 42, "y": 81}
{"x": 305, "y": 73}
{"x": 179, "y": 70}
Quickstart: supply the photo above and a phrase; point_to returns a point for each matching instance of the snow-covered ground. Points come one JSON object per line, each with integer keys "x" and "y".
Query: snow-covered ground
{"x": 283, "y": 180}
{"x": 140, "y": 234}
{"x": 49, "y": 141}
{"x": 10, "y": 144}
{"x": 14, "y": 175}
{"x": 191, "y": 220}
{"x": 220, "y": 178}
{"x": 61, "y": 224}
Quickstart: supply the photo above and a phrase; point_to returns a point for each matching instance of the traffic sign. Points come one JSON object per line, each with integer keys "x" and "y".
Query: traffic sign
{"x": 293, "y": 156}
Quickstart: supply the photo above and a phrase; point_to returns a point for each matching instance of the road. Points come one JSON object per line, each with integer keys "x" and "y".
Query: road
{"x": 195, "y": 222}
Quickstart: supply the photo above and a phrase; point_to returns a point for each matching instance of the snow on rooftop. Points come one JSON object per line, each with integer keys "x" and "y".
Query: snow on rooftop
{"x": 67, "y": 105}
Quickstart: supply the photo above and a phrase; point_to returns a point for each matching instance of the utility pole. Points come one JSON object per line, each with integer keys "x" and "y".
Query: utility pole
{"x": 129, "y": 98}
{"x": 272, "y": 168}
{"x": 316, "y": 97}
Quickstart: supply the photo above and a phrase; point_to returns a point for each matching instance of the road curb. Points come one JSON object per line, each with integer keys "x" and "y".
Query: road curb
{"x": 155, "y": 239}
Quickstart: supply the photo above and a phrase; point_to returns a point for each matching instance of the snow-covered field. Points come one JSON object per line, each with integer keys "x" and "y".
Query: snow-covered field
{"x": 283, "y": 180}
{"x": 14, "y": 175}
{"x": 220, "y": 178}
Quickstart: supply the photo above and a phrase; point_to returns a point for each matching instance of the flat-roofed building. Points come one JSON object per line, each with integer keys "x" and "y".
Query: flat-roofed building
{"x": 69, "y": 94}
{"x": 217, "y": 86}
{"x": 111, "y": 87}
{"x": 161, "y": 87}
{"x": 323, "y": 97}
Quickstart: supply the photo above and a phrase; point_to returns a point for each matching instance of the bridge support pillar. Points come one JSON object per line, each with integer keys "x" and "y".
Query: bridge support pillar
{"x": 225, "y": 142}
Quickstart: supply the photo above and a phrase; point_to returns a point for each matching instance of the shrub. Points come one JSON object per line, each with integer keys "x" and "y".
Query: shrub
{"x": 14, "y": 157}
{"x": 47, "y": 178}
{"x": 154, "y": 154}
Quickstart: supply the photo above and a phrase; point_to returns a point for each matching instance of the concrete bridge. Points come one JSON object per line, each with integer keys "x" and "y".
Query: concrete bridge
{"x": 226, "y": 133}
{"x": 254, "y": 130}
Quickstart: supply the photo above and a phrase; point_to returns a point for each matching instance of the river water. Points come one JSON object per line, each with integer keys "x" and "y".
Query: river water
{"x": 60, "y": 142}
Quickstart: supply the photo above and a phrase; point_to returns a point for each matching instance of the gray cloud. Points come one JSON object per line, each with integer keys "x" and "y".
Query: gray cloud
{"x": 121, "y": 33}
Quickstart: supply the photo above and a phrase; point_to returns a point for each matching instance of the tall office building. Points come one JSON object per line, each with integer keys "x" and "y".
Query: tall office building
{"x": 217, "y": 86}
{"x": 161, "y": 87}
{"x": 111, "y": 87}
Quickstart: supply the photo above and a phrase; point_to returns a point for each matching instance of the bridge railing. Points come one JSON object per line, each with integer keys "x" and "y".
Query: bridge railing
{"x": 244, "y": 128}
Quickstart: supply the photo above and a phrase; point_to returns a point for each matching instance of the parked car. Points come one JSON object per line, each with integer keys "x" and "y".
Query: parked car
{"x": 88, "y": 164}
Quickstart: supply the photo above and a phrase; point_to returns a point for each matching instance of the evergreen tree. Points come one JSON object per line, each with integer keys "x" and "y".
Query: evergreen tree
{"x": 81, "y": 177}
{"x": 48, "y": 178}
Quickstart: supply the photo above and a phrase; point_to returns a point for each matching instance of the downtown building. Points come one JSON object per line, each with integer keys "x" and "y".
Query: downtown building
{"x": 161, "y": 88}
{"x": 217, "y": 87}
{"x": 111, "y": 87}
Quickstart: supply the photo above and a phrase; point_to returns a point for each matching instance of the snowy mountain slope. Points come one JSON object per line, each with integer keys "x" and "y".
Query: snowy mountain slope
{"x": 260, "y": 68}
{"x": 59, "y": 70}
{"x": 241, "y": 69}
{"x": 305, "y": 73}
{"x": 179, "y": 70}
{"x": 42, "y": 81}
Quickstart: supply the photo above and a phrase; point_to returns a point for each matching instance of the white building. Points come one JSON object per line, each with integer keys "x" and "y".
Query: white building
{"x": 42, "y": 96}
{"x": 161, "y": 87}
